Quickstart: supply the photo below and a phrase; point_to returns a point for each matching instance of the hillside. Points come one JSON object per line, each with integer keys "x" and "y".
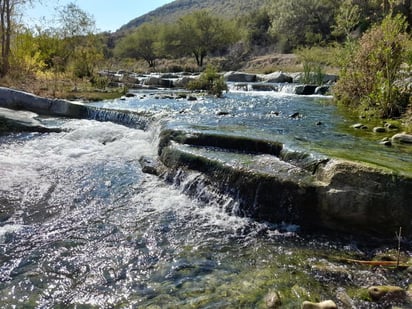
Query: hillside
{"x": 178, "y": 8}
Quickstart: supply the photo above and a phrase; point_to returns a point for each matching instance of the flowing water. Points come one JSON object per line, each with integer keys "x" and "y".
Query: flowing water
{"x": 81, "y": 226}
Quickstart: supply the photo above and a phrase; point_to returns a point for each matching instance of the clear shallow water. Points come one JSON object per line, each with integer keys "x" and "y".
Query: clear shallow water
{"x": 82, "y": 225}
{"x": 318, "y": 127}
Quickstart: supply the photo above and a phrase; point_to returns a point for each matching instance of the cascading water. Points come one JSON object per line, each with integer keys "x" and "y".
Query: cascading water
{"x": 82, "y": 226}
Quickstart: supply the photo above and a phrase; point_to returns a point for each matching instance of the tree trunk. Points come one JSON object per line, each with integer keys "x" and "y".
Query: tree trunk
{"x": 5, "y": 31}
{"x": 6, "y": 62}
{"x": 197, "y": 57}
{"x": 2, "y": 35}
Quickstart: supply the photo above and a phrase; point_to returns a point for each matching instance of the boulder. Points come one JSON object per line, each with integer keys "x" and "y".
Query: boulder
{"x": 183, "y": 81}
{"x": 305, "y": 89}
{"x": 240, "y": 77}
{"x": 276, "y": 77}
{"x": 150, "y": 165}
{"x": 363, "y": 198}
{"x": 402, "y": 138}
{"x": 264, "y": 87}
{"x": 158, "y": 82}
{"x": 322, "y": 90}
{"x": 328, "y": 79}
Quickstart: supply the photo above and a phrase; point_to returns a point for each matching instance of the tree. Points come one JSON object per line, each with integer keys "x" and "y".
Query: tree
{"x": 26, "y": 55}
{"x": 302, "y": 22}
{"x": 347, "y": 18}
{"x": 201, "y": 33}
{"x": 80, "y": 49}
{"x": 8, "y": 11}
{"x": 143, "y": 43}
{"x": 257, "y": 25}
{"x": 211, "y": 81}
{"x": 74, "y": 22}
{"x": 370, "y": 72}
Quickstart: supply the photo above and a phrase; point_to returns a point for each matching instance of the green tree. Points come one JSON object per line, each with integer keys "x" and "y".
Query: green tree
{"x": 368, "y": 78}
{"x": 211, "y": 81}
{"x": 86, "y": 57}
{"x": 347, "y": 19}
{"x": 302, "y": 22}
{"x": 200, "y": 33}
{"x": 257, "y": 25}
{"x": 143, "y": 43}
{"x": 26, "y": 55}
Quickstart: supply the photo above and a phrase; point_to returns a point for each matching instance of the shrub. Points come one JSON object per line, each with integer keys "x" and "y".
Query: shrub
{"x": 371, "y": 69}
{"x": 211, "y": 81}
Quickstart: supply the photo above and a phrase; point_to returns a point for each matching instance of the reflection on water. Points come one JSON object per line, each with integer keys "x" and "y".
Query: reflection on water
{"x": 81, "y": 225}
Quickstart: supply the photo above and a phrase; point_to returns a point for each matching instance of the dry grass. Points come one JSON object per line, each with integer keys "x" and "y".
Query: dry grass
{"x": 61, "y": 87}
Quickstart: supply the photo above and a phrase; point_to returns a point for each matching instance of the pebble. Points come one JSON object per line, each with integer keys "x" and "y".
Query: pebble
{"x": 327, "y": 304}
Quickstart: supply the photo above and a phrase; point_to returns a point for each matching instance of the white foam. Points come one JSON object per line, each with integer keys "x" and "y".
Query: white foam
{"x": 31, "y": 168}
{"x": 9, "y": 228}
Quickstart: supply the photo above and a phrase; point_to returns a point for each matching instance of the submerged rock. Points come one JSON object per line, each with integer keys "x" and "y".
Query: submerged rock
{"x": 150, "y": 166}
{"x": 387, "y": 293}
{"x": 379, "y": 130}
{"x": 296, "y": 115}
{"x": 359, "y": 126}
{"x": 327, "y": 304}
{"x": 391, "y": 126}
{"x": 273, "y": 300}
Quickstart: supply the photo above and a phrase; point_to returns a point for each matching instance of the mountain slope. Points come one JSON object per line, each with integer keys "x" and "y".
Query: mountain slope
{"x": 172, "y": 11}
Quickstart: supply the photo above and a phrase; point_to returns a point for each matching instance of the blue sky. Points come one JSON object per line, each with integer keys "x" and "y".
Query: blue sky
{"x": 109, "y": 15}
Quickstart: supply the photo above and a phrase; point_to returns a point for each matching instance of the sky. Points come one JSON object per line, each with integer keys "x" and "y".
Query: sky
{"x": 109, "y": 15}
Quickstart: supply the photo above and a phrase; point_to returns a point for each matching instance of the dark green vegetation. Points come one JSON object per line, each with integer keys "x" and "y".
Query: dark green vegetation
{"x": 327, "y": 35}
{"x": 211, "y": 81}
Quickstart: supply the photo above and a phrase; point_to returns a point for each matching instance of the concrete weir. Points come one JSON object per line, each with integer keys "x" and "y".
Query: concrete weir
{"x": 330, "y": 194}
{"x": 19, "y": 100}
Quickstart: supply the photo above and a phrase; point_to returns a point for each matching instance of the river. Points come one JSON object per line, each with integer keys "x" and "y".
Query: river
{"x": 81, "y": 226}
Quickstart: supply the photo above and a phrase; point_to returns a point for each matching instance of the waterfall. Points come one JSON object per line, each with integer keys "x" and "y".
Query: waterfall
{"x": 124, "y": 117}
